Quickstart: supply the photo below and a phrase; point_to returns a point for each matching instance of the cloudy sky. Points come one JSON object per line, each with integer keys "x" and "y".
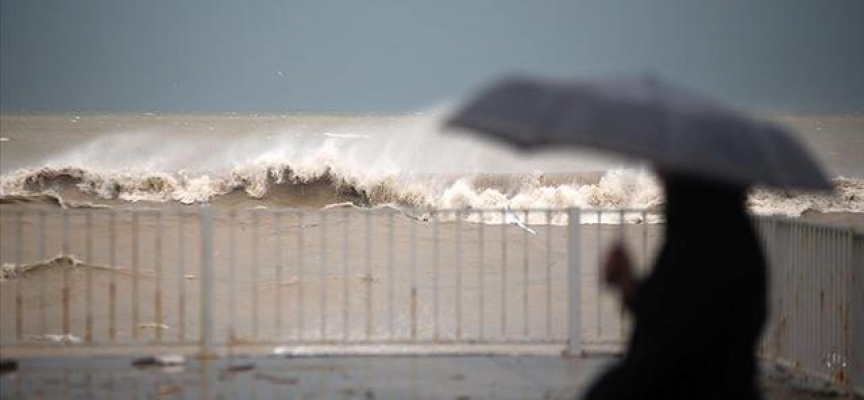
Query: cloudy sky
{"x": 404, "y": 55}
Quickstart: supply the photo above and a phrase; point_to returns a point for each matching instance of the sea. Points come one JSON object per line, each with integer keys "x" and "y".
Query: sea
{"x": 319, "y": 160}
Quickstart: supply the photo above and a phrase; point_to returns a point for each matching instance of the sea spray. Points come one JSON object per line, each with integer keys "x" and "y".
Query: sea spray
{"x": 365, "y": 161}
{"x": 271, "y": 182}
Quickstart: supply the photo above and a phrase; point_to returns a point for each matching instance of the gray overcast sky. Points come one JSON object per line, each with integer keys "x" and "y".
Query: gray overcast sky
{"x": 401, "y": 55}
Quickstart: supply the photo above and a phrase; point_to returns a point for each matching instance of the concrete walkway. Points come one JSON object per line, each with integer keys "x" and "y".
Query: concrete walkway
{"x": 355, "y": 377}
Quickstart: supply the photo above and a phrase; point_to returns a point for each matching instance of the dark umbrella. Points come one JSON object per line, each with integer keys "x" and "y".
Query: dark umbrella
{"x": 676, "y": 129}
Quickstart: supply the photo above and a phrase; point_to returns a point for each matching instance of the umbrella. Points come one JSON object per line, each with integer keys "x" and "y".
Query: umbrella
{"x": 676, "y": 129}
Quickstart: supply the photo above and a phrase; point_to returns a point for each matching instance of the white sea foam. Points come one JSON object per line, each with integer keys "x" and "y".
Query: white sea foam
{"x": 616, "y": 189}
{"x": 368, "y": 164}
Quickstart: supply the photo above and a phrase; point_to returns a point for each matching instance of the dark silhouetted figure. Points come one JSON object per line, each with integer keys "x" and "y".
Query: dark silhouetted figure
{"x": 699, "y": 314}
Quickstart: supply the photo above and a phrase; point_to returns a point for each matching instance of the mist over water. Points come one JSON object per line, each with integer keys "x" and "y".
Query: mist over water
{"x": 318, "y": 160}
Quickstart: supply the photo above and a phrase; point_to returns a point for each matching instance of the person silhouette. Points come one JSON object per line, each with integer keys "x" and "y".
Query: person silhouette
{"x": 700, "y": 312}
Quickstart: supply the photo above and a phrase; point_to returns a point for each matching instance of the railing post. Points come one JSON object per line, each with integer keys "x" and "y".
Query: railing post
{"x": 856, "y": 311}
{"x": 574, "y": 271}
{"x": 207, "y": 279}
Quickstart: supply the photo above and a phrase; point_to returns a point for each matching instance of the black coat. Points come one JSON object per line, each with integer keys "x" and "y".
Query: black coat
{"x": 700, "y": 313}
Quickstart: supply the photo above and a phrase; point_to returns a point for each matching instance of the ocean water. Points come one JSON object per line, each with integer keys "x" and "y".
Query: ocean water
{"x": 316, "y": 160}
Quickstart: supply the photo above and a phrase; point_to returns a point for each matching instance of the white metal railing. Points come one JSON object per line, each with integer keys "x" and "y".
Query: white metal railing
{"x": 816, "y": 304}
{"x": 815, "y": 279}
{"x": 386, "y": 277}
{"x": 86, "y": 277}
{"x": 229, "y": 278}
{"x": 212, "y": 279}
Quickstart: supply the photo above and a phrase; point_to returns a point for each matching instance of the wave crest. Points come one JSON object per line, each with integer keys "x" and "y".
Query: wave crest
{"x": 320, "y": 182}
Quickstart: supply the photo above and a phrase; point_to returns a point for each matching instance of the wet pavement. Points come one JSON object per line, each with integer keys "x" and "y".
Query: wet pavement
{"x": 327, "y": 377}
{"x": 357, "y": 377}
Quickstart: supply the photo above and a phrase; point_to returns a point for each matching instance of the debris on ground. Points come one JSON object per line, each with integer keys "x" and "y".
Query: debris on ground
{"x": 165, "y": 360}
{"x": 56, "y": 338}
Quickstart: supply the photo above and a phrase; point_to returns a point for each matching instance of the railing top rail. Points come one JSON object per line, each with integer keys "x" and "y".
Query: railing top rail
{"x": 338, "y": 206}
{"x": 175, "y": 209}
{"x": 858, "y": 230}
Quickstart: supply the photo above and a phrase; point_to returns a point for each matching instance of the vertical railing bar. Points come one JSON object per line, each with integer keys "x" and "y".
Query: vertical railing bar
{"x": 789, "y": 340}
{"x": 799, "y": 339}
{"x": 158, "y": 284}
{"x": 808, "y": 298}
{"x": 413, "y": 278}
{"x": 504, "y": 272}
{"x": 301, "y": 272}
{"x": 769, "y": 250}
{"x": 207, "y": 280}
{"x": 810, "y": 301}
{"x": 457, "y": 252}
{"x": 837, "y": 320}
{"x": 368, "y": 278}
{"x": 852, "y": 286}
{"x": 821, "y": 243}
{"x": 181, "y": 274}
{"x": 843, "y": 294}
{"x": 19, "y": 262}
{"x": 644, "y": 259}
{"x": 548, "y": 274}
{"x": 346, "y": 216}
{"x": 574, "y": 278}
{"x": 88, "y": 311}
{"x": 812, "y": 281}
{"x": 481, "y": 267}
{"x": 817, "y": 270}
{"x": 598, "y": 249}
{"x": 775, "y": 276}
{"x": 277, "y": 255}
{"x": 836, "y": 285}
{"x": 525, "y": 283}
{"x": 232, "y": 274}
{"x": 390, "y": 273}
{"x": 784, "y": 343}
{"x": 836, "y": 293}
{"x": 43, "y": 319}
{"x": 622, "y": 239}
{"x": 829, "y": 272}
{"x": 776, "y": 269}
{"x": 789, "y": 273}
{"x": 847, "y": 292}
{"x": 322, "y": 273}
{"x": 435, "y": 267}
{"x": 855, "y": 295}
{"x": 766, "y": 232}
{"x": 135, "y": 273}
{"x": 800, "y": 261}
{"x": 112, "y": 285}
{"x": 780, "y": 268}
{"x": 66, "y": 288}
{"x": 256, "y": 277}
{"x": 825, "y": 238}
{"x": 834, "y": 268}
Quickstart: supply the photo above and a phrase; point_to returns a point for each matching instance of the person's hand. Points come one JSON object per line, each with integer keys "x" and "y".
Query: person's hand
{"x": 617, "y": 271}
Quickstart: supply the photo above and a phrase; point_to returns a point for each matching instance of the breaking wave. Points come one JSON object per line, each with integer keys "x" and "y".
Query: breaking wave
{"x": 321, "y": 184}
{"x": 367, "y": 162}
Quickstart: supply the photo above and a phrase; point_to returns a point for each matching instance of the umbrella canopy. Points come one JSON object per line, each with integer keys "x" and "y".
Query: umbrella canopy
{"x": 677, "y": 130}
